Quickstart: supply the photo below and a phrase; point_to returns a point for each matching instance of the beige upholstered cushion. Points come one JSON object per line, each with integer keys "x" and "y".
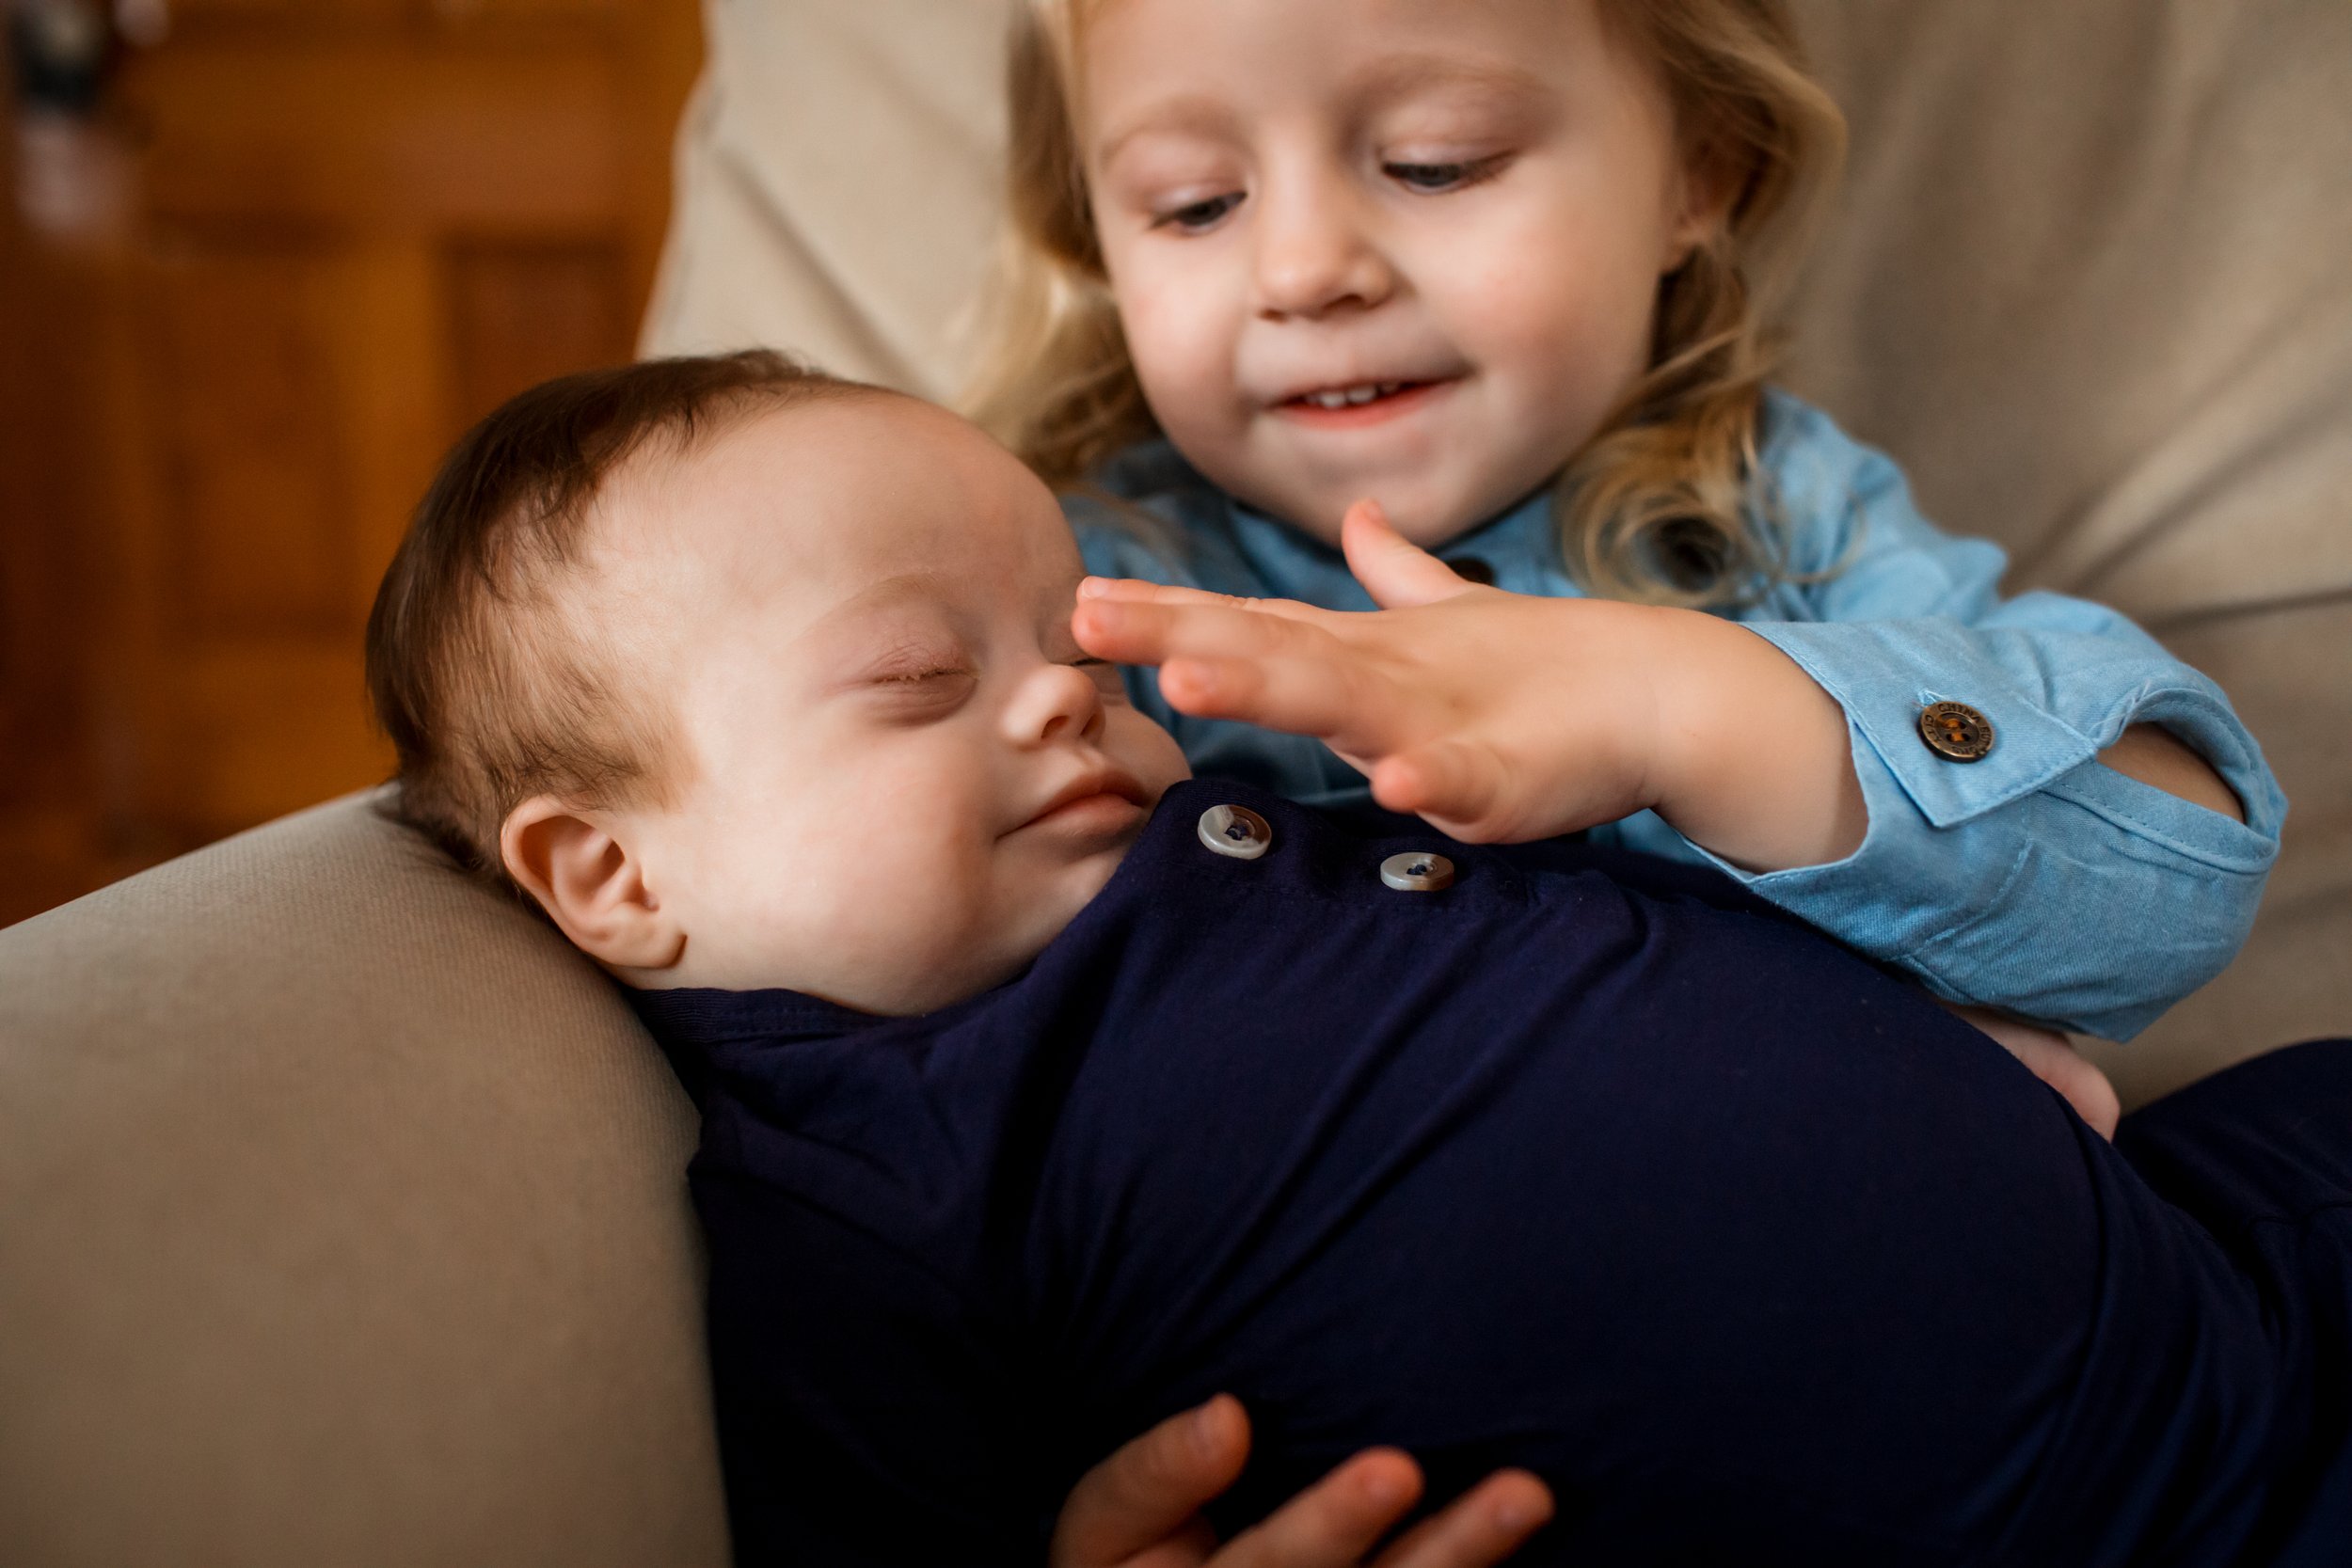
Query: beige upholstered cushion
{"x": 340, "y": 1221}
{"x": 2093, "y": 285}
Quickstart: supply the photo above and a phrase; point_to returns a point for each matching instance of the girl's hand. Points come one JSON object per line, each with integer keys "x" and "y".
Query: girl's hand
{"x": 1506, "y": 717}
{"x": 1140, "y": 1509}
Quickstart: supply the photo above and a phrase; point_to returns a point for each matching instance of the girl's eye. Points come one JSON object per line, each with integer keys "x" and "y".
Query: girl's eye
{"x": 1194, "y": 216}
{"x": 1442, "y": 177}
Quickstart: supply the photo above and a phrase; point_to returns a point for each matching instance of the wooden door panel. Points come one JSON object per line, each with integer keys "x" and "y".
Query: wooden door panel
{"x": 384, "y": 134}
{"x": 362, "y": 223}
{"x": 245, "y": 731}
{"x": 328, "y": 15}
{"x": 278, "y": 15}
{"x": 521, "y": 313}
{"x": 253, "y": 465}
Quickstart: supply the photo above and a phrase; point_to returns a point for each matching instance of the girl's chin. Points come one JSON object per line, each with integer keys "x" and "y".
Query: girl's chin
{"x": 1426, "y": 514}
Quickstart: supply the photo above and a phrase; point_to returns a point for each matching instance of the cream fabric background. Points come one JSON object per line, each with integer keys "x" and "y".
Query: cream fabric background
{"x": 2091, "y": 283}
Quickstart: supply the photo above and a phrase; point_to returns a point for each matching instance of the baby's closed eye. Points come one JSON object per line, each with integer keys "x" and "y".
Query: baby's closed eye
{"x": 1107, "y": 678}
{"x": 919, "y": 682}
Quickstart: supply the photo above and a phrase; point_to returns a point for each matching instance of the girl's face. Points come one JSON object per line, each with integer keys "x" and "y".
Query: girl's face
{"x": 1407, "y": 249}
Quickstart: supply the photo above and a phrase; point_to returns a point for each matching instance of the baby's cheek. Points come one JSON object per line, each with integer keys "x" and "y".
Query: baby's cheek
{"x": 1146, "y": 750}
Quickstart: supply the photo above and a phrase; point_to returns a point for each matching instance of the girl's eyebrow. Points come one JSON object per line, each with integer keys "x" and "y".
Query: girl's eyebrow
{"x": 1398, "y": 75}
{"x": 1389, "y": 77}
{"x": 1191, "y": 112}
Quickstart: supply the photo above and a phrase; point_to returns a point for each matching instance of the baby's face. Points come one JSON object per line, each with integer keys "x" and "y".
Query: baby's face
{"x": 1380, "y": 247}
{"x": 904, "y": 777}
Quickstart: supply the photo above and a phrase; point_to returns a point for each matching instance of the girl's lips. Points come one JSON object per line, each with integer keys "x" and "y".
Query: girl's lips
{"x": 1405, "y": 399}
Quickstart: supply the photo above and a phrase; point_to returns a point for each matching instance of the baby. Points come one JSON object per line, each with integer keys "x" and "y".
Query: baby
{"x": 802, "y": 711}
{"x": 1033, "y": 1114}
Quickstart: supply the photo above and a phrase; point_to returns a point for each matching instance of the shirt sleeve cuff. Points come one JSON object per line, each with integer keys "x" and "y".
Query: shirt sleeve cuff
{"x": 1884, "y": 673}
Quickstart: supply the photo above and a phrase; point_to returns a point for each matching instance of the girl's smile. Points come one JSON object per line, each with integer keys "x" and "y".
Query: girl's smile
{"x": 1363, "y": 404}
{"x": 1381, "y": 248}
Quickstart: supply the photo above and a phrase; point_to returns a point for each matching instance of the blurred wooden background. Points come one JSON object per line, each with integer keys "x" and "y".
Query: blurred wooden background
{"x": 345, "y": 229}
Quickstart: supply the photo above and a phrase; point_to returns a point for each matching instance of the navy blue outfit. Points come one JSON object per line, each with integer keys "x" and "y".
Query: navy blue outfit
{"x": 1589, "y": 1163}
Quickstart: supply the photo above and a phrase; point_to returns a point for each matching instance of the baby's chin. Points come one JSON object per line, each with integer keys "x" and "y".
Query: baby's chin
{"x": 1023, "y": 922}
{"x": 921, "y": 966}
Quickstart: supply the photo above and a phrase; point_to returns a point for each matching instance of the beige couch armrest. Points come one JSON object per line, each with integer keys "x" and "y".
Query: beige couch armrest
{"x": 341, "y": 1221}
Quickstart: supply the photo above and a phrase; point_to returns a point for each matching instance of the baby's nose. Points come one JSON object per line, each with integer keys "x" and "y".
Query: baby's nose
{"x": 1059, "y": 701}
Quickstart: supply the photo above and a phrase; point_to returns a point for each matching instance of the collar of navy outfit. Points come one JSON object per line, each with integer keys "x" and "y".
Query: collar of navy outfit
{"x": 1580, "y": 1161}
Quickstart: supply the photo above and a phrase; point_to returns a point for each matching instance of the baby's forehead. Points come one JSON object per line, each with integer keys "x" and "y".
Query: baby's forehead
{"x": 861, "y": 506}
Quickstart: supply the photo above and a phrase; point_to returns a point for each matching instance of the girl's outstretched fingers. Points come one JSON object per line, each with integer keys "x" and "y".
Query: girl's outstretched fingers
{"x": 1457, "y": 787}
{"x": 1139, "y": 591}
{"x": 1397, "y": 573}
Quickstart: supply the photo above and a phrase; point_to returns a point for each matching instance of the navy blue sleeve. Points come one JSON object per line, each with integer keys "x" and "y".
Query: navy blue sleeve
{"x": 871, "y": 1416}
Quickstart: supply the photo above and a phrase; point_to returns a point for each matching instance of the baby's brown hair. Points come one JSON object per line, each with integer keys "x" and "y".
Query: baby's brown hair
{"x": 488, "y": 688}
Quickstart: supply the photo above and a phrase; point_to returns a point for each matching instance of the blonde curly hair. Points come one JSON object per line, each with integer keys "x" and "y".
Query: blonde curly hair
{"x": 1660, "y": 505}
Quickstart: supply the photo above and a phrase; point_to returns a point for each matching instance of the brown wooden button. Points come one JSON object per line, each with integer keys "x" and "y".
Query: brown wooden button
{"x": 1955, "y": 730}
{"x": 1470, "y": 568}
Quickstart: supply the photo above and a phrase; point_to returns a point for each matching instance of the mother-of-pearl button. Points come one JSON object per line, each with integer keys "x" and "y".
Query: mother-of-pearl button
{"x": 1236, "y": 830}
{"x": 1419, "y": 872}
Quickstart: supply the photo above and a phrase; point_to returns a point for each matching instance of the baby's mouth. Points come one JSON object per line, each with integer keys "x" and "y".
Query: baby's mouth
{"x": 1113, "y": 793}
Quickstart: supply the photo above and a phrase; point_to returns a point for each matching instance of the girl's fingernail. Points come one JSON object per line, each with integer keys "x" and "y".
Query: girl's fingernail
{"x": 1092, "y": 587}
{"x": 1385, "y": 1488}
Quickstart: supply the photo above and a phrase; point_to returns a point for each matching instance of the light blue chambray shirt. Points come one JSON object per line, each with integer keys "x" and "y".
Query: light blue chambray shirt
{"x": 2033, "y": 879}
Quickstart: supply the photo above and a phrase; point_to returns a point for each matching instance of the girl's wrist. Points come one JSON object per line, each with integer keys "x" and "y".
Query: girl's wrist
{"x": 1752, "y": 758}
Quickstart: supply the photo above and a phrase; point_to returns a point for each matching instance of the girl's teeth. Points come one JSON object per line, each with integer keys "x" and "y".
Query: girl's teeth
{"x": 1354, "y": 396}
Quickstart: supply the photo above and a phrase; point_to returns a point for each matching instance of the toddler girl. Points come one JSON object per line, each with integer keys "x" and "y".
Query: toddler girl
{"x": 1303, "y": 292}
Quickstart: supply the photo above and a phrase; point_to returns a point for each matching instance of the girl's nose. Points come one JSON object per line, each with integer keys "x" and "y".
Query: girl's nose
{"x": 1313, "y": 254}
{"x": 1056, "y": 701}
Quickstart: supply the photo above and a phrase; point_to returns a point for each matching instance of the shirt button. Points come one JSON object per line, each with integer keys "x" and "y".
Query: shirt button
{"x": 1236, "y": 830}
{"x": 1470, "y": 568}
{"x": 1955, "y": 730}
{"x": 1419, "y": 872}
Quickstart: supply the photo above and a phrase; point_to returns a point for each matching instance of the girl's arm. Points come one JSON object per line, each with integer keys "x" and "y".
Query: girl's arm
{"x": 2104, "y": 859}
{"x": 1789, "y": 751}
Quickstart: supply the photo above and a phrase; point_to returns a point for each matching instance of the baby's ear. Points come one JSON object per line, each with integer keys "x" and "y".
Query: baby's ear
{"x": 590, "y": 884}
